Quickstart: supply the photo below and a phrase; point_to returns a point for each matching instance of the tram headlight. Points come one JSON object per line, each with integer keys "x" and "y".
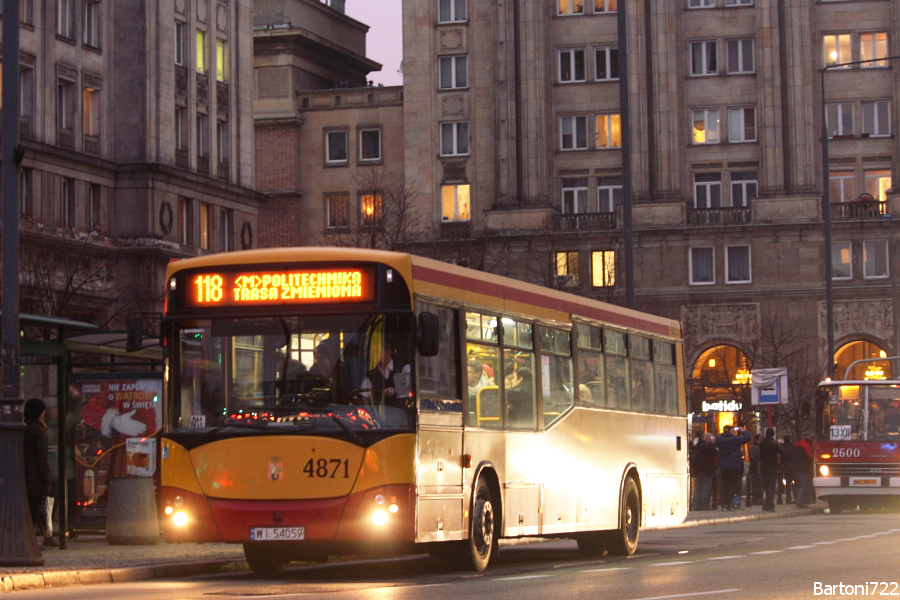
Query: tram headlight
{"x": 180, "y": 519}
{"x": 380, "y": 518}
{"x": 824, "y": 471}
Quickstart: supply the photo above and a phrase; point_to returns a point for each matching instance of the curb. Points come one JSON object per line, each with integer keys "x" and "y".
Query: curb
{"x": 801, "y": 512}
{"x": 54, "y": 579}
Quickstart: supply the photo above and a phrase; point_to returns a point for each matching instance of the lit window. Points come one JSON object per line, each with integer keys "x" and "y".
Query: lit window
{"x": 703, "y": 58}
{"x": 702, "y": 266}
{"x": 604, "y": 6}
{"x": 571, "y": 65}
{"x": 841, "y": 260}
{"x": 201, "y": 51}
{"x": 737, "y": 264}
{"x": 452, "y": 72}
{"x": 573, "y": 133}
{"x": 603, "y": 268}
{"x": 873, "y": 46}
{"x": 706, "y": 126}
{"x": 878, "y": 183}
{"x": 567, "y": 268}
{"x": 455, "y": 202}
{"x": 609, "y": 131}
{"x": 372, "y": 208}
{"x": 336, "y": 147}
{"x": 875, "y": 259}
{"x": 742, "y": 124}
{"x": 206, "y": 234}
{"x": 570, "y": 7}
{"x": 837, "y": 49}
{"x": 91, "y": 112}
{"x": 221, "y": 60}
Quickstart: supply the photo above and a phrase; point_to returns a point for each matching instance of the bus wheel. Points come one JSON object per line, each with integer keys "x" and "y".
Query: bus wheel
{"x": 624, "y": 540}
{"x": 483, "y": 541}
{"x": 591, "y": 545}
{"x": 264, "y": 559}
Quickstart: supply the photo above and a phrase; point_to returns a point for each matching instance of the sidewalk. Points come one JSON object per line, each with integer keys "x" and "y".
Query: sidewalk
{"x": 90, "y": 559}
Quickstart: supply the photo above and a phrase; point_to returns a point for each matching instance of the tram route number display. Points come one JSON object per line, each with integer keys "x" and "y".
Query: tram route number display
{"x": 249, "y": 288}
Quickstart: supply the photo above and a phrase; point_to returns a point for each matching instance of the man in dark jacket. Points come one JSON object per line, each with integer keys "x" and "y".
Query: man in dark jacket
{"x": 704, "y": 464}
{"x": 731, "y": 459}
{"x": 801, "y": 456}
{"x": 770, "y": 457}
{"x": 37, "y": 467}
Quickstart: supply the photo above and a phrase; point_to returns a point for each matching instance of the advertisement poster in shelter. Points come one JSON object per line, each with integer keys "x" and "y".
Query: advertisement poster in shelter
{"x": 114, "y": 426}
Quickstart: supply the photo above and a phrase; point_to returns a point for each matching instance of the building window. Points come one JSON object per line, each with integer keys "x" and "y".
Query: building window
{"x": 69, "y": 206}
{"x": 181, "y": 128}
{"x": 201, "y": 52}
{"x": 603, "y": 268}
{"x": 706, "y": 126}
{"x": 740, "y": 56}
{"x": 336, "y": 148}
{"x": 873, "y": 46}
{"x": 702, "y": 266}
{"x": 185, "y": 221}
{"x": 223, "y": 142}
{"x": 454, "y": 139}
{"x": 707, "y": 190}
{"x": 742, "y": 124}
{"x": 26, "y": 95}
{"x": 372, "y": 208}
{"x": 91, "y": 112}
{"x": 574, "y": 196}
{"x": 837, "y": 49}
{"x": 455, "y": 203}
{"x": 878, "y": 183}
{"x": 64, "y": 18}
{"x": 701, "y": 3}
{"x": 743, "y": 189}
{"x": 876, "y": 118}
{"x": 567, "y": 268}
{"x": 206, "y": 233}
{"x": 451, "y": 11}
{"x": 95, "y": 208}
{"x": 606, "y": 6}
{"x": 606, "y": 64}
{"x": 738, "y": 2}
{"x": 226, "y": 230}
{"x": 26, "y": 12}
{"x": 570, "y": 7}
{"x": 337, "y": 207}
{"x": 65, "y": 104}
{"x": 221, "y": 60}
{"x": 573, "y": 133}
{"x": 26, "y": 203}
{"x": 703, "y": 58}
{"x": 737, "y": 264}
{"x": 841, "y": 186}
{"x": 875, "y": 259}
{"x": 571, "y": 65}
{"x": 609, "y": 131}
{"x": 179, "y": 43}
{"x": 92, "y": 23}
{"x": 370, "y": 145}
{"x": 202, "y": 135}
{"x": 841, "y": 260}
{"x": 609, "y": 194}
{"x": 452, "y": 72}
{"x": 839, "y": 118}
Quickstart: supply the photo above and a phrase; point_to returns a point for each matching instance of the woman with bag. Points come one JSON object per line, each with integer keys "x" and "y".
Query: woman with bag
{"x": 37, "y": 470}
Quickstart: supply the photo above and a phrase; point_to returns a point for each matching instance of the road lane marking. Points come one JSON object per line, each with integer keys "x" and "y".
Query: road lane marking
{"x": 674, "y": 563}
{"x": 609, "y": 569}
{"x": 799, "y": 548}
{"x": 723, "y": 557}
{"x": 521, "y": 577}
{"x": 691, "y": 595}
{"x": 768, "y": 552}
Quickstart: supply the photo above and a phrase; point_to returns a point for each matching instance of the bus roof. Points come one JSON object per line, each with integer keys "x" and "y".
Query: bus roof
{"x": 443, "y": 280}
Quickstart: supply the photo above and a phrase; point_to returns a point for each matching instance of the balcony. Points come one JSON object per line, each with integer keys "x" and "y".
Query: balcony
{"x": 222, "y": 101}
{"x": 91, "y": 145}
{"x": 858, "y": 210}
{"x": 25, "y": 128}
{"x": 64, "y": 138}
{"x": 181, "y": 85}
{"x": 718, "y": 216}
{"x": 202, "y": 91}
{"x": 181, "y": 159}
{"x": 203, "y": 165}
{"x": 584, "y": 222}
{"x": 223, "y": 170}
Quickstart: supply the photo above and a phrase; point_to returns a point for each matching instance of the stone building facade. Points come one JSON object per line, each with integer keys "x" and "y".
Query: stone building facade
{"x": 136, "y": 130}
{"x": 512, "y": 142}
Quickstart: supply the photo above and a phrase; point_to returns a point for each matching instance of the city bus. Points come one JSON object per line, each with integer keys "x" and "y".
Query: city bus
{"x": 327, "y": 401}
{"x": 857, "y": 460}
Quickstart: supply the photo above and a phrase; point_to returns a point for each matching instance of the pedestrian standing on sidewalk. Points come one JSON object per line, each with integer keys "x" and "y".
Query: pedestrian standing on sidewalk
{"x": 704, "y": 467}
{"x": 37, "y": 467}
{"x": 770, "y": 455}
{"x": 754, "y": 483}
{"x": 802, "y": 458}
{"x": 790, "y": 473}
{"x": 731, "y": 459}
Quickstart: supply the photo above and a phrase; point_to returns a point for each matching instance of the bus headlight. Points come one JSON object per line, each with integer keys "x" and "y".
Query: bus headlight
{"x": 824, "y": 471}
{"x": 180, "y": 519}
{"x": 379, "y": 518}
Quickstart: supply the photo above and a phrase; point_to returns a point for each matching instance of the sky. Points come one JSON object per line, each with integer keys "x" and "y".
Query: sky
{"x": 384, "y": 42}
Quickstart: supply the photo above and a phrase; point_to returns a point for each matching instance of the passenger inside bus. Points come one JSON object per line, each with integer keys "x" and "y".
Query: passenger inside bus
{"x": 520, "y": 397}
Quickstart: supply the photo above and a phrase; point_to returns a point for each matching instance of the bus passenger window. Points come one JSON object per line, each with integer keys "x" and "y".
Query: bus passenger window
{"x": 556, "y": 373}
{"x": 437, "y": 376}
{"x": 519, "y": 389}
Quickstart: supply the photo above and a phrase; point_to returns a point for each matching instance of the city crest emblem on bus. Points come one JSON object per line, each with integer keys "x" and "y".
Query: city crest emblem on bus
{"x": 276, "y": 469}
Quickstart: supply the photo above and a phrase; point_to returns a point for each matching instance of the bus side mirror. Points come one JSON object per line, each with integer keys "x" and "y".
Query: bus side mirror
{"x": 428, "y": 334}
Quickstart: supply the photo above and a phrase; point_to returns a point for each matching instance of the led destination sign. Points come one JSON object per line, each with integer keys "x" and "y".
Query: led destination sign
{"x": 250, "y": 288}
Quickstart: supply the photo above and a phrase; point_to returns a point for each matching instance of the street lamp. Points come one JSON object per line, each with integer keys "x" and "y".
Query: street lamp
{"x": 826, "y": 215}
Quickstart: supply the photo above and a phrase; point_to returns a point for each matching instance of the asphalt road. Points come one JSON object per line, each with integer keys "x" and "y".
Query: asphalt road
{"x": 803, "y": 557}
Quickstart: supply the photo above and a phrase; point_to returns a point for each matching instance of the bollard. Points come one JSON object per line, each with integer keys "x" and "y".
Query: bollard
{"x": 131, "y": 518}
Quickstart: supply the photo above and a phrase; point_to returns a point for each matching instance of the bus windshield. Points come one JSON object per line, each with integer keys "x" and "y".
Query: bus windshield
{"x": 302, "y": 373}
{"x": 859, "y": 412}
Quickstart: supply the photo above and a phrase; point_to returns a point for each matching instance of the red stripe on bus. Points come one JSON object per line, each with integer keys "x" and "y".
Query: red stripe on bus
{"x": 470, "y": 284}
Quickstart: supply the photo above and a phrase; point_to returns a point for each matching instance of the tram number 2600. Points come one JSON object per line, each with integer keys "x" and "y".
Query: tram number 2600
{"x": 324, "y": 468}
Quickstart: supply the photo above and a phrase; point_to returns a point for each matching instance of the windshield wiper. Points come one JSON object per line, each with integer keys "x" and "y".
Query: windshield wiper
{"x": 353, "y": 435}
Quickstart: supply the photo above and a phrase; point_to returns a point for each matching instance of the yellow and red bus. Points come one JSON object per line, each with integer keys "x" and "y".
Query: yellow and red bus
{"x": 857, "y": 448}
{"x": 322, "y": 401}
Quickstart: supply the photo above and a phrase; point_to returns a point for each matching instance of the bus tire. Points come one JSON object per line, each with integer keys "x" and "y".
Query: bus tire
{"x": 483, "y": 541}
{"x": 264, "y": 559}
{"x": 624, "y": 540}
